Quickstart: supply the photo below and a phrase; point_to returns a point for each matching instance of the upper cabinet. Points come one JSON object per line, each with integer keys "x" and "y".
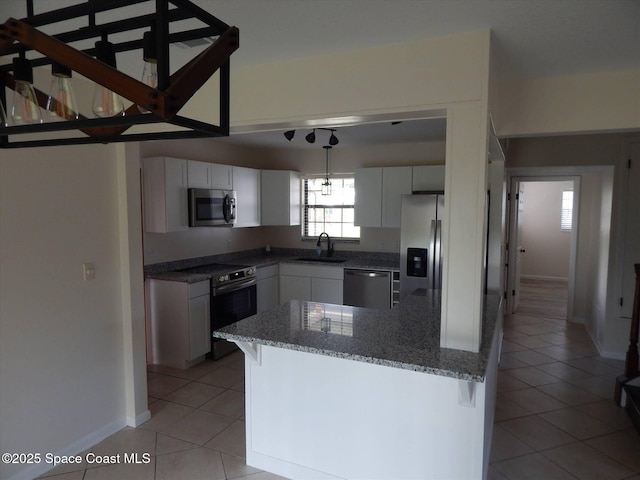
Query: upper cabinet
{"x": 428, "y": 178}
{"x": 379, "y": 191}
{"x": 165, "y": 194}
{"x": 368, "y": 206}
{"x": 246, "y": 182}
{"x": 209, "y": 175}
{"x": 396, "y": 181}
{"x": 280, "y": 197}
{"x": 378, "y": 195}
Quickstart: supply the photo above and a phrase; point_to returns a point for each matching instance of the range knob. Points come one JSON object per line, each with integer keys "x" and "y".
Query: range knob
{"x": 221, "y": 278}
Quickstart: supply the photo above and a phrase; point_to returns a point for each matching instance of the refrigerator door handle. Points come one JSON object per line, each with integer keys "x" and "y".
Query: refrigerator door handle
{"x": 431, "y": 255}
{"x": 437, "y": 266}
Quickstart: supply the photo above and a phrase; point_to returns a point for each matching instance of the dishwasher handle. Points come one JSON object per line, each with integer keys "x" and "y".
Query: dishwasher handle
{"x": 366, "y": 273}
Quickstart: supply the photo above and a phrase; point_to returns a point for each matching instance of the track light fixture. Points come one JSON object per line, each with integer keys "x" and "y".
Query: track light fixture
{"x": 311, "y": 136}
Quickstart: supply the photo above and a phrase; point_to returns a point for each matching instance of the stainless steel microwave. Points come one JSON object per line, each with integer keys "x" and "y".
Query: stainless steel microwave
{"x": 208, "y": 208}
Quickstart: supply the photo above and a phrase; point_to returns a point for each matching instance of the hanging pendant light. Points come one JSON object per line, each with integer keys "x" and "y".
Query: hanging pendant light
{"x": 164, "y": 93}
{"x": 106, "y": 103}
{"x": 61, "y": 102}
{"x": 326, "y": 185}
{"x": 150, "y": 69}
{"x": 25, "y": 109}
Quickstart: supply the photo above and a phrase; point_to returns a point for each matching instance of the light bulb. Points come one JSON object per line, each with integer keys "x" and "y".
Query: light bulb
{"x": 3, "y": 117}
{"x": 150, "y": 69}
{"x": 25, "y": 108}
{"x": 61, "y": 102}
{"x": 105, "y": 102}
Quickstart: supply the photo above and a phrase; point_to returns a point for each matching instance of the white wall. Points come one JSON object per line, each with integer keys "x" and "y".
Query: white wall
{"x": 547, "y": 248}
{"x": 593, "y": 102}
{"x": 61, "y": 338}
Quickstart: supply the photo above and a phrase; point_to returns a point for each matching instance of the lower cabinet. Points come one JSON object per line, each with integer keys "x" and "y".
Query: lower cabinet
{"x": 179, "y": 321}
{"x": 267, "y": 295}
{"x": 311, "y": 282}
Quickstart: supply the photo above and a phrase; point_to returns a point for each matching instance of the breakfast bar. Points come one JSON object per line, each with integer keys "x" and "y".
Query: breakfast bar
{"x": 334, "y": 391}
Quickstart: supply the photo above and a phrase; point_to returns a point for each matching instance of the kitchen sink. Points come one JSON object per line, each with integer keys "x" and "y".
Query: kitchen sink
{"x": 321, "y": 259}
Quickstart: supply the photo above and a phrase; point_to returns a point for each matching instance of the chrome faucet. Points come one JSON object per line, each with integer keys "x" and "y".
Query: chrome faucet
{"x": 329, "y": 244}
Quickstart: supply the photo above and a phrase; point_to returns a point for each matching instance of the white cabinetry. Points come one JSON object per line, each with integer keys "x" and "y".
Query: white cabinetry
{"x": 317, "y": 283}
{"x": 396, "y": 181}
{"x": 246, "y": 183}
{"x": 267, "y": 295}
{"x": 368, "y": 206}
{"x": 210, "y": 175}
{"x": 280, "y": 197}
{"x": 378, "y": 195}
{"x": 428, "y": 178}
{"x": 179, "y": 316}
{"x": 165, "y": 194}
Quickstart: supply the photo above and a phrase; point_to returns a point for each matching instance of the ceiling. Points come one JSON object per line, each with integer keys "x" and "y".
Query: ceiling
{"x": 531, "y": 39}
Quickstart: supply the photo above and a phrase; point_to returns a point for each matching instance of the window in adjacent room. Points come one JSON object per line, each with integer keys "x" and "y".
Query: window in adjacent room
{"x": 566, "y": 217}
{"x": 332, "y": 213}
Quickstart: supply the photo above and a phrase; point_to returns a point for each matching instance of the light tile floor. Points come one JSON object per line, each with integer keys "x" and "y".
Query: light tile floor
{"x": 196, "y": 430}
{"x": 555, "y": 417}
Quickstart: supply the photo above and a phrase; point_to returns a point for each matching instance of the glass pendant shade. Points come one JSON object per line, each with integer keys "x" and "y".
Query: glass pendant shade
{"x": 25, "y": 108}
{"x": 106, "y": 103}
{"x": 61, "y": 103}
{"x": 3, "y": 117}
{"x": 150, "y": 69}
{"x": 326, "y": 185}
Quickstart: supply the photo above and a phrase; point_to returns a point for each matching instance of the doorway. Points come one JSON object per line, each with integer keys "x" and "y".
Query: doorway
{"x": 542, "y": 236}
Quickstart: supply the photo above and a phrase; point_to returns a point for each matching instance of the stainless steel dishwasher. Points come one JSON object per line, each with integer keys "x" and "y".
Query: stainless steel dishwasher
{"x": 367, "y": 288}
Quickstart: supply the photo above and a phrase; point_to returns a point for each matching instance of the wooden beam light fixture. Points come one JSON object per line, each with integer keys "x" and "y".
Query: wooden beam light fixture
{"x": 160, "y": 103}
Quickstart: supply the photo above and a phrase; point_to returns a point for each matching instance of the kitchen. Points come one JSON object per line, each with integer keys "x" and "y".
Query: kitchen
{"x": 290, "y": 263}
{"x": 105, "y": 316}
{"x": 206, "y": 241}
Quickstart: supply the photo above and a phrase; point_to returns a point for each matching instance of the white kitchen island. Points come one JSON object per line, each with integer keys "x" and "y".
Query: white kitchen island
{"x": 341, "y": 392}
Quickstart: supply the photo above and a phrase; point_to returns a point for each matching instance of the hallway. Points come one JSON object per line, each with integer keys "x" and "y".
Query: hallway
{"x": 555, "y": 416}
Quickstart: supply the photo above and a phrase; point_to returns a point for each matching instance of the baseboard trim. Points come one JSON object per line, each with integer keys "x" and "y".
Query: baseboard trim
{"x": 74, "y": 448}
{"x": 606, "y": 353}
{"x": 543, "y": 277}
{"x": 138, "y": 419}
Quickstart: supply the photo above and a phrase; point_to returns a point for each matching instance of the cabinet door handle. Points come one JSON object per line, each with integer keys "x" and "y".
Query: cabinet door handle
{"x": 365, "y": 273}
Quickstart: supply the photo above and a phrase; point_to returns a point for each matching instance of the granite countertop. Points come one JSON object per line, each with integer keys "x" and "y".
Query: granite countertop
{"x": 171, "y": 270}
{"x": 407, "y": 337}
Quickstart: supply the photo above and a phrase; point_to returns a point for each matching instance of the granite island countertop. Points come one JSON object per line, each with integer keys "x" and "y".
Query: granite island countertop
{"x": 407, "y": 337}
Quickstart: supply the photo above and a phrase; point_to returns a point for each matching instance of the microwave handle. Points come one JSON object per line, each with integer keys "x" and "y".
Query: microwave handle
{"x": 226, "y": 209}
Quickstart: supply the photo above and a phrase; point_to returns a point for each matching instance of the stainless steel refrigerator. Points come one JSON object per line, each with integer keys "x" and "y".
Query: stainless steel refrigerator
{"x": 420, "y": 246}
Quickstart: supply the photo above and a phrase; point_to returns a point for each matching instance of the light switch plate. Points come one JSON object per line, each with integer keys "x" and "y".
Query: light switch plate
{"x": 88, "y": 271}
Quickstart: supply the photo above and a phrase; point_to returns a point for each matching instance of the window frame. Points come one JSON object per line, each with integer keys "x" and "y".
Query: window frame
{"x": 566, "y": 212}
{"x": 303, "y": 211}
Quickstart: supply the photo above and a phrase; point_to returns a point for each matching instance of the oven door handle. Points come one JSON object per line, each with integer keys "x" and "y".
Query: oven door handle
{"x": 215, "y": 291}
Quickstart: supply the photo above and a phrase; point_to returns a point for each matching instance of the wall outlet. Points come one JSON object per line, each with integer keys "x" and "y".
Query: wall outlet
{"x": 88, "y": 271}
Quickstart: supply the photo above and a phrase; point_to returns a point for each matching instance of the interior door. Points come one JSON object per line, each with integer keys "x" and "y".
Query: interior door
{"x": 516, "y": 204}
